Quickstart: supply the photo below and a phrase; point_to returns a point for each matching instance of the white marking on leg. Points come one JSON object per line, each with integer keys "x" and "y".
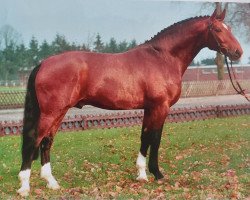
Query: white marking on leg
{"x": 141, "y": 166}
{"x": 24, "y": 177}
{"x": 47, "y": 175}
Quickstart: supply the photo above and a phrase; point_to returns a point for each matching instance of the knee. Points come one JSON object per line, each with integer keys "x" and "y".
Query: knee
{"x": 46, "y": 143}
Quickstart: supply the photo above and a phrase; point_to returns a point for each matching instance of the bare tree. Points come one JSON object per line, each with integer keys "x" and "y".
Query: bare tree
{"x": 8, "y": 36}
{"x": 239, "y": 18}
{"x": 219, "y": 60}
{"x": 90, "y": 41}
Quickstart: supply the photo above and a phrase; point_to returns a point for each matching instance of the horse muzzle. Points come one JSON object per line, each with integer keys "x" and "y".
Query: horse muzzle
{"x": 235, "y": 54}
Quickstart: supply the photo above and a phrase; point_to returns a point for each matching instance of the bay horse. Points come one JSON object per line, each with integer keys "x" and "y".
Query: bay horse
{"x": 146, "y": 77}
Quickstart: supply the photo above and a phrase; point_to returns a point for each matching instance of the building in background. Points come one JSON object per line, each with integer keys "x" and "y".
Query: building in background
{"x": 209, "y": 73}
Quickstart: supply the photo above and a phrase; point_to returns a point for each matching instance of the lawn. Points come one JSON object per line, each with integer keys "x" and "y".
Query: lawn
{"x": 7, "y": 89}
{"x": 200, "y": 160}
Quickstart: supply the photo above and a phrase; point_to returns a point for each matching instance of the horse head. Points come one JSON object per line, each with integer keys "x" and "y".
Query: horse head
{"x": 220, "y": 37}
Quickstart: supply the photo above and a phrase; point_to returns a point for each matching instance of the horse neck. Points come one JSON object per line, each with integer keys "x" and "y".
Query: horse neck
{"x": 183, "y": 43}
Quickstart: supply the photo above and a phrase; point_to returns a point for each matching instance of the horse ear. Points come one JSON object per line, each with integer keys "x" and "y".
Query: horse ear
{"x": 214, "y": 15}
{"x": 222, "y": 15}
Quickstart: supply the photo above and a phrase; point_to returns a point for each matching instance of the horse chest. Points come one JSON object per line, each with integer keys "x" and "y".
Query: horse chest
{"x": 162, "y": 91}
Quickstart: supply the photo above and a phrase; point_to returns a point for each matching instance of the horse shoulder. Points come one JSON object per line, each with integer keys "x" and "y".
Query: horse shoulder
{"x": 164, "y": 85}
{"x": 162, "y": 75}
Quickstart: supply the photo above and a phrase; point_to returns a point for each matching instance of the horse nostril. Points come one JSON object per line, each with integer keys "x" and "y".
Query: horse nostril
{"x": 238, "y": 53}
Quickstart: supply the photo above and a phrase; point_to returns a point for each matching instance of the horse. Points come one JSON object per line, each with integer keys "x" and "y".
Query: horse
{"x": 147, "y": 77}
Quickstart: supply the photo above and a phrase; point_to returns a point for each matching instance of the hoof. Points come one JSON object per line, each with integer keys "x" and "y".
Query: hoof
{"x": 24, "y": 192}
{"x": 158, "y": 175}
{"x": 162, "y": 180}
{"x": 53, "y": 186}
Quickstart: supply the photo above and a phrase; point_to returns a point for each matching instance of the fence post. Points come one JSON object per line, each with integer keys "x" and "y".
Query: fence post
{"x": 218, "y": 112}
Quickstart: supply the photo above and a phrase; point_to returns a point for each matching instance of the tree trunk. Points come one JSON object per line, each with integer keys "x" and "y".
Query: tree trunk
{"x": 219, "y": 60}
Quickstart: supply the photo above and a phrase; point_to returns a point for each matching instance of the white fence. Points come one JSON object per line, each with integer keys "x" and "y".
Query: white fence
{"x": 12, "y": 83}
{"x": 211, "y": 88}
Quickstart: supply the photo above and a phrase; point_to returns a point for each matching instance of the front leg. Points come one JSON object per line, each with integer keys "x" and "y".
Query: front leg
{"x": 153, "y": 156}
{"x": 153, "y": 122}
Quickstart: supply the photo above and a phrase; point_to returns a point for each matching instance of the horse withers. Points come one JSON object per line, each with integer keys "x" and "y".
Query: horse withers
{"x": 146, "y": 77}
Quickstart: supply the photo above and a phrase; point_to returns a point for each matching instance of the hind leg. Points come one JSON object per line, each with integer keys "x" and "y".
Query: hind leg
{"x": 29, "y": 153}
{"x": 46, "y": 172}
{"x": 45, "y": 147}
{"x": 30, "y": 148}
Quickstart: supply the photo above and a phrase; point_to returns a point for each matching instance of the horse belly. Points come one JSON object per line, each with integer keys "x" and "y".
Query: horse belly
{"x": 116, "y": 102}
{"x": 116, "y": 96}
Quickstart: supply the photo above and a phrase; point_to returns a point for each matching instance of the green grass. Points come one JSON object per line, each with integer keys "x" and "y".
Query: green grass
{"x": 7, "y": 89}
{"x": 199, "y": 159}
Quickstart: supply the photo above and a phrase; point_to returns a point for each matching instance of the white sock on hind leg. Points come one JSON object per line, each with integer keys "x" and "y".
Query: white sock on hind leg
{"x": 47, "y": 175}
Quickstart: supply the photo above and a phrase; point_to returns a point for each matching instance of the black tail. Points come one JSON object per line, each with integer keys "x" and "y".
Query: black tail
{"x": 31, "y": 117}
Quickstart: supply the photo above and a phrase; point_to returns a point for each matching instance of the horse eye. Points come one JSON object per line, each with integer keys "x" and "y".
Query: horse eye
{"x": 217, "y": 29}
